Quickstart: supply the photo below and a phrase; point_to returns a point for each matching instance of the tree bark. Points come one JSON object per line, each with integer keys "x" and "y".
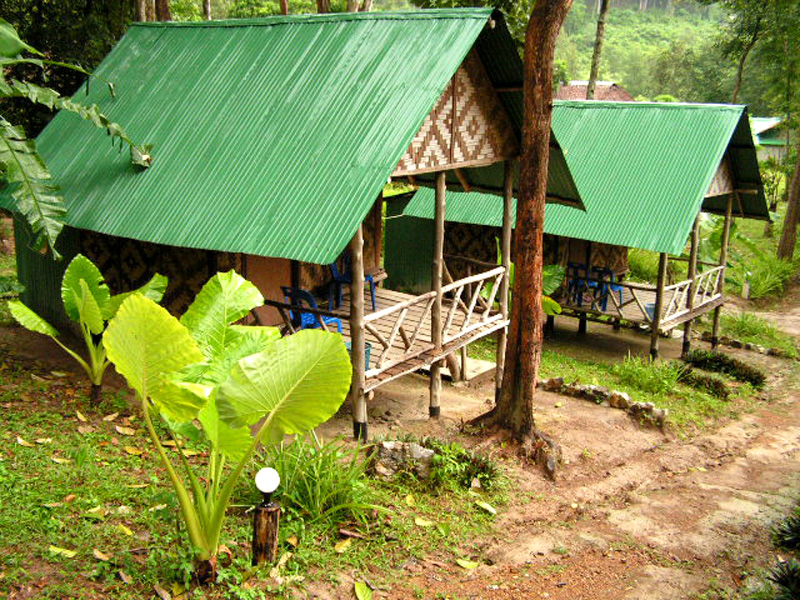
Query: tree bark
{"x": 284, "y": 7}
{"x": 162, "y": 11}
{"x": 141, "y": 10}
{"x": 323, "y": 6}
{"x": 207, "y": 9}
{"x": 599, "y": 38}
{"x": 514, "y": 408}
{"x": 740, "y": 67}
{"x": 789, "y": 233}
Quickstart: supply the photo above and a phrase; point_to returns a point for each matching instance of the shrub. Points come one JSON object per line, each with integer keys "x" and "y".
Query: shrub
{"x": 706, "y": 383}
{"x": 647, "y": 375}
{"x": 723, "y": 363}
{"x": 786, "y": 576}
{"x": 767, "y": 275}
{"x": 322, "y": 483}
{"x": 455, "y": 466}
{"x": 787, "y": 534}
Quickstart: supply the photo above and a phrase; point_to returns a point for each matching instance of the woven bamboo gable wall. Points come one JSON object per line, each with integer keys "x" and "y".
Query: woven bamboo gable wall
{"x": 467, "y": 127}
{"x": 723, "y": 179}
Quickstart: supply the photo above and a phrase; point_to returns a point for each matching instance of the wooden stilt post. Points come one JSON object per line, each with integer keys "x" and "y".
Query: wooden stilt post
{"x": 723, "y": 261}
{"x": 434, "y": 409}
{"x": 357, "y": 336}
{"x": 505, "y": 257}
{"x": 464, "y": 363}
{"x": 582, "y": 318}
{"x": 656, "y": 323}
{"x": 695, "y": 242}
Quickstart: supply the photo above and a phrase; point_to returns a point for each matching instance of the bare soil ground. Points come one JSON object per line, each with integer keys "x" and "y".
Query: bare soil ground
{"x": 636, "y": 513}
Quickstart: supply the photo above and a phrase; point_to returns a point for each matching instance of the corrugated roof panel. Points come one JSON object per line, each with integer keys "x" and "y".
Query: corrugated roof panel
{"x": 271, "y": 136}
{"x": 643, "y": 170}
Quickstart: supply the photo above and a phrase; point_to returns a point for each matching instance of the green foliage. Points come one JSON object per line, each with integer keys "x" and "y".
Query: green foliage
{"x": 206, "y": 368}
{"x": 705, "y": 382}
{"x": 649, "y": 376}
{"x": 323, "y": 483}
{"x": 787, "y": 533}
{"x": 88, "y": 302}
{"x": 724, "y": 363}
{"x": 749, "y": 327}
{"x": 786, "y": 576}
{"x": 455, "y": 467}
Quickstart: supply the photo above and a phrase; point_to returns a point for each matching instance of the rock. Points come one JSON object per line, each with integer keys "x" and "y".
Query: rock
{"x": 393, "y": 457}
{"x": 761, "y": 349}
{"x": 735, "y": 344}
{"x": 774, "y": 352}
{"x": 619, "y": 399}
{"x": 554, "y": 384}
{"x": 574, "y": 389}
{"x": 748, "y": 346}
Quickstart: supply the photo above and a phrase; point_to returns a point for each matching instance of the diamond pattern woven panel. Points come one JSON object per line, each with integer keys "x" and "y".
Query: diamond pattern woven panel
{"x": 467, "y": 127}
{"x": 723, "y": 179}
{"x": 128, "y": 264}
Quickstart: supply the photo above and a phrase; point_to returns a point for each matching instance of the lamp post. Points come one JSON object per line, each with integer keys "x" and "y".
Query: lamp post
{"x": 266, "y": 518}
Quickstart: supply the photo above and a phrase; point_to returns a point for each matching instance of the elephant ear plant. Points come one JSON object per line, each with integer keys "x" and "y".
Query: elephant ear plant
{"x": 242, "y": 386}
{"x": 88, "y": 302}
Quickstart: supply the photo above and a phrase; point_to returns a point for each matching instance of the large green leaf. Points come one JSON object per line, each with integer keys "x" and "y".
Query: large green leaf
{"x": 232, "y": 442}
{"x": 148, "y": 346}
{"x": 29, "y": 180}
{"x": 88, "y": 310}
{"x": 224, "y": 299}
{"x": 83, "y": 269}
{"x": 29, "y": 319}
{"x": 10, "y": 44}
{"x": 552, "y": 276}
{"x": 153, "y": 289}
{"x": 298, "y": 382}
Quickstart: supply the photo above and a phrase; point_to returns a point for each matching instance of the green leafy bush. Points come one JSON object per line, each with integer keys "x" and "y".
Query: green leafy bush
{"x": 647, "y": 375}
{"x": 724, "y": 363}
{"x": 322, "y": 483}
{"x": 705, "y": 382}
{"x": 455, "y": 466}
{"x": 786, "y": 576}
{"x": 766, "y": 274}
{"x": 787, "y": 533}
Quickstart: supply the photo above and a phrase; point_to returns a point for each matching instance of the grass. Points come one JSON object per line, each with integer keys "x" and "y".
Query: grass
{"x": 657, "y": 382}
{"x": 749, "y": 327}
{"x": 9, "y": 286}
{"x": 84, "y": 486}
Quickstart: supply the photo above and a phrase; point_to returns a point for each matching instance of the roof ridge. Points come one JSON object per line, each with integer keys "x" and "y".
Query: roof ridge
{"x": 639, "y": 105}
{"x": 400, "y": 15}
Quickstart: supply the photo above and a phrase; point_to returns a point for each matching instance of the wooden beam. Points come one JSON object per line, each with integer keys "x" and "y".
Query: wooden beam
{"x": 506, "y": 90}
{"x": 723, "y": 261}
{"x": 462, "y": 179}
{"x": 505, "y": 252}
{"x": 656, "y": 324}
{"x": 358, "y": 336}
{"x": 434, "y": 409}
{"x": 587, "y": 275}
{"x": 694, "y": 244}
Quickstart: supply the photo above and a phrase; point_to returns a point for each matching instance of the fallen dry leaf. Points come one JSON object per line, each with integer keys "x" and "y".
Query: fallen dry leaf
{"x": 22, "y": 442}
{"x": 124, "y": 576}
{"x": 43, "y": 440}
{"x": 133, "y": 451}
{"x": 124, "y": 430}
{"x": 62, "y": 552}
{"x": 110, "y": 417}
{"x": 423, "y": 522}
{"x": 84, "y": 429}
{"x": 101, "y": 555}
{"x": 61, "y": 461}
{"x": 162, "y": 593}
{"x": 80, "y": 416}
{"x": 292, "y": 541}
{"x": 342, "y": 545}
{"x": 137, "y": 486}
{"x": 124, "y": 529}
{"x": 70, "y": 497}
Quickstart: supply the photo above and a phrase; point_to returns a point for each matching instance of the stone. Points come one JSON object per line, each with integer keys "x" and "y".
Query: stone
{"x": 573, "y": 389}
{"x": 394, "y": 457}
{"x": 735, "y": 344}
{"x": 619, "y": 399}
{"x": 554, "y": 384}
{"x": 748, "y": 346}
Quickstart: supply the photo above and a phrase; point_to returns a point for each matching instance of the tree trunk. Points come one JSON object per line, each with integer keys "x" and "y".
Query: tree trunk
{"x": 150, "y": 10}
{"x": 740, "y": 67}
{"x": 514, "y": 408}
{"x": 598, "y": 49}
{"x": 162, "y": 11}
{"x": 366, "y": 6}
{"x": 141, "y": 10}
{"x": 323, "y": 6}
{"x": 284, "y": 7}
{"x": 352, "y": 5}
{"x": 789, "y": 234}
{"x": 207, "y": 9}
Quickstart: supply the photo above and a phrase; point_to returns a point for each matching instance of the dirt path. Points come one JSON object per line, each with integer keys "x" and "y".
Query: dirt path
{"x": 637, "y": 514}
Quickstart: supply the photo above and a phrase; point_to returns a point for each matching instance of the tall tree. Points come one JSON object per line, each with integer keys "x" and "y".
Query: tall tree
{"x": 789, "y": 233}
{"x": 514, "y": 408}
{"x": 599, "y": 38}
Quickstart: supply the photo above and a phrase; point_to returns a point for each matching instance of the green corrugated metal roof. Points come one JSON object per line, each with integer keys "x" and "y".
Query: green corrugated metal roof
{"x": 643, "y": 170}
{"x": 271, "y": 136}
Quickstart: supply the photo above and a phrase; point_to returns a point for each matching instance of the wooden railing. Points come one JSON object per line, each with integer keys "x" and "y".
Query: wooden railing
{"x": 489, "y": 280}
{"x": 633, "y": 305}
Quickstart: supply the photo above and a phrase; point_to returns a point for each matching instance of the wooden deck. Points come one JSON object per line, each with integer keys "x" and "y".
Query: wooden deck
{"x": 636, "y": 302}
{"x": 399, "y": 329}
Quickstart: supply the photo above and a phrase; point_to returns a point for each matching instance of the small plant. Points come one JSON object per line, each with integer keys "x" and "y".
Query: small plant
{"x": 321, "y": 483}
{"x": 228, "y": 378}
{"x": 749, "y": 327}
{"x": 653, "y": 377}
{"x": 723, "y": 363}
{"x": 787, "y": 533}
{"x": 705, "y": 382}
{"x": 455, "y": 466}
{"x": 786, "y": 576}
{"x": 88, "y": 302}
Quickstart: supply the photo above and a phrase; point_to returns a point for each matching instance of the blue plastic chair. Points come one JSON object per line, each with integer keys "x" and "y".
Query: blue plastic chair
{"x": 297, "y": 297}
{"x": 607, "y": 287}
{"x": 577, "y": 282}
{"x": 345, "y": 277}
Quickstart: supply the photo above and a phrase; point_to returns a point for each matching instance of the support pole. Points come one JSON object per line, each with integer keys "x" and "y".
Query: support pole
{"x": 723, "y": 261}
{"x": 434, "y": 409}
{"x": 266, "y": 520}
{"x": 464, "y": 363}
{"x": 357, "y": 336}
{"x": 656, "y": 323}
{"x": 694, "y": 243}
{"x": 505, "y": 257}
{"x": 582, "y": 318}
